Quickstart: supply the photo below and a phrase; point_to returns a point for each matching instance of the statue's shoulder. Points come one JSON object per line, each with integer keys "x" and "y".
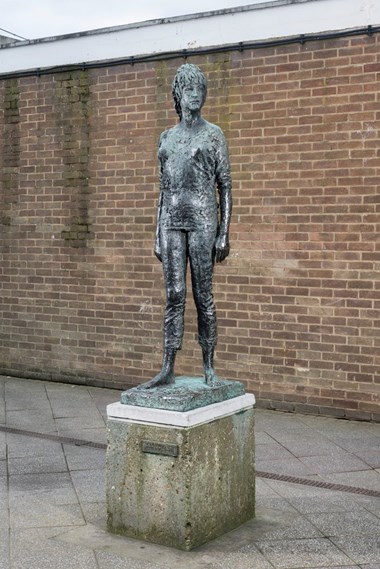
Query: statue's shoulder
{"x": 167, "y": 134}
{"x": 215, "y": 130}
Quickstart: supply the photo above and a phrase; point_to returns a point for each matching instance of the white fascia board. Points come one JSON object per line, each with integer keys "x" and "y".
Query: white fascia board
{"x": 262, "y": 21}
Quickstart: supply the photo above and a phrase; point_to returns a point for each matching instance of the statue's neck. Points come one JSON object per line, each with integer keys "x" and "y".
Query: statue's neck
{"x": 190, "y": 119}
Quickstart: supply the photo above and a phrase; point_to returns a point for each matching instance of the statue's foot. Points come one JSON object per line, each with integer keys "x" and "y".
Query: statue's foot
{"x": 211, "y": 378}
{"x": 163, "y": 378}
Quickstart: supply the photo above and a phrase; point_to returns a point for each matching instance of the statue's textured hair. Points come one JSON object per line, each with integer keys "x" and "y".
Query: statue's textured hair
{"x": 185, "y": 74}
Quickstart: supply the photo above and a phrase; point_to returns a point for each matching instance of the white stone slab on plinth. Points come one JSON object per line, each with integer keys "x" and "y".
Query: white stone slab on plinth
{"x": 191, "y": 418}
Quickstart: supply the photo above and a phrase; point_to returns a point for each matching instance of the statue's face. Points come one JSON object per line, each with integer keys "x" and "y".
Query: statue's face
{"x": 193, "y": 96}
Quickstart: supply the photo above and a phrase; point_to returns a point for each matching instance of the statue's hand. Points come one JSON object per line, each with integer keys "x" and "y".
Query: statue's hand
{"x": 222, "y": 247}
{"x": 157, "y": 250}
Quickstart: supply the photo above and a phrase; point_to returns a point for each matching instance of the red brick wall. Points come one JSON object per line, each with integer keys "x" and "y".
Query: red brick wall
{"x": 298, "y": 299}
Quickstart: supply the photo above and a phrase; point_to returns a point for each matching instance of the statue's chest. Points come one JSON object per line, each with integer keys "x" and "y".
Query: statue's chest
{"x": 181, "y": 150}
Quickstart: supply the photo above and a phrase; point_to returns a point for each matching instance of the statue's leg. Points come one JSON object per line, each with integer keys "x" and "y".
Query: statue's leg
{"x": 201, "y": 246}
{"x": 173, "y": 249}
{"x": 174, "y": 261}
{"x": 166, "y": 375}
{"x": 208, "y": 365}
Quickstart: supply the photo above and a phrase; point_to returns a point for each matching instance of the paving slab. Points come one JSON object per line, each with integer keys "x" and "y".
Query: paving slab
{"x": 248, "y": 558}
{"x": 4, "y": 513}
{"x": 39, "y": 548}
{"x": 330, "y": 502}
{"x": 354, "y": 444}
{"x": 87, "y": 421}
{"x": 369, "y": 479}
{"x": 346, "y": 523}
{"x": 3, "y": 446}
{"x": 97, "y": 435}
{"x": 309, "y": 446}
{"x": 72, "y": 406}
{"x": 95, "y": 513}
{"x": 284, "y": 431}
{"x": 17, "y": 400}
{"x": 57, "y": 487}
{"x": 40, "y": 513}
{"x": 334, "y": 462}
{"x": 37, "y": 464}
{"x": 291, "y": 554}
{"x": 288, "y": 524}
{"x": 372, "y": 458}
{"x": 262, "y": 438}
{"x": 4, "y": 549}
{"x": 106, "y": 560}
{"x": 82, "y": 458}
{"x": 89, "y": 484}
{"x": 273, "y": 451}
{"x": 369, "y": 503}
{"x": 28, "y": 420}
{"x": 21, "y": 446}
{"x": 71, "y": 392}
{"x": 332, "y": 426}
{"x": 70, "y": 410}
{"x": 363, "y": 550}
{"x": 2, "y": 411}
{"x": 264, "y": 488}
{"x": 3, "y": 488}
{"x": 275, "y": 503}
{"x": 232, "y": 546}
{"x": 287, "y": 467}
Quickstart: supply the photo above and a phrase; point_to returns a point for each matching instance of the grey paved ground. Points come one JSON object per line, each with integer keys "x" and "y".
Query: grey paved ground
{"x": 52, "y": 504}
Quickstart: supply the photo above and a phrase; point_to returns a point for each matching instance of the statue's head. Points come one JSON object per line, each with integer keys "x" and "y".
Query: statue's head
{"x": 187, "y": 74}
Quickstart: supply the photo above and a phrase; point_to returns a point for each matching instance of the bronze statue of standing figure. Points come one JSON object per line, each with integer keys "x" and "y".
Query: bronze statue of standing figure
{"x": 191, "y": 224}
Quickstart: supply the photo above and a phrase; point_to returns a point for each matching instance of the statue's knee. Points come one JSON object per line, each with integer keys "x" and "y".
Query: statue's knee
{"x": 205, "y": 303}
{"x": 176, "y": 296}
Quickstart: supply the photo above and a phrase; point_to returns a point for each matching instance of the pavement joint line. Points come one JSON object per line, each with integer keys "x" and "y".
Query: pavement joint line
{"x": 260, "y": 474}
{"x": 55, "y": 438}
{"x": 318, "y": 484}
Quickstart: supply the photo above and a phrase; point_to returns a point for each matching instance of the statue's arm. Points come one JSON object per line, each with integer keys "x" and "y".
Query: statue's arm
{"x": 157, "y": 246}
{"x": 223, "y": 180}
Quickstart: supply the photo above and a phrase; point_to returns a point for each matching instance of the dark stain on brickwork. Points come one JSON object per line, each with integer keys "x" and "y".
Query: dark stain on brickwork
{"x": 10, "y": 153}
{"x": 164, "y": 106}
{"x": 73, "y": 105}
{"x": 218, "y": 69}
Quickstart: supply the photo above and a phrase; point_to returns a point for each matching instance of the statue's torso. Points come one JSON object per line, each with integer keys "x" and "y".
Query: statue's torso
{"x": 189, "y": 161}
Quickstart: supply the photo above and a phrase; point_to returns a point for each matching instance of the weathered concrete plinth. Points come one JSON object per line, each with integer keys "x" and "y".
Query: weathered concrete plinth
{"x": 180, "y": 478}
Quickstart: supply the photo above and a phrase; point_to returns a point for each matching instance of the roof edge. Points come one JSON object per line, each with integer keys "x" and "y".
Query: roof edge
{"x": 158, "y": 22}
